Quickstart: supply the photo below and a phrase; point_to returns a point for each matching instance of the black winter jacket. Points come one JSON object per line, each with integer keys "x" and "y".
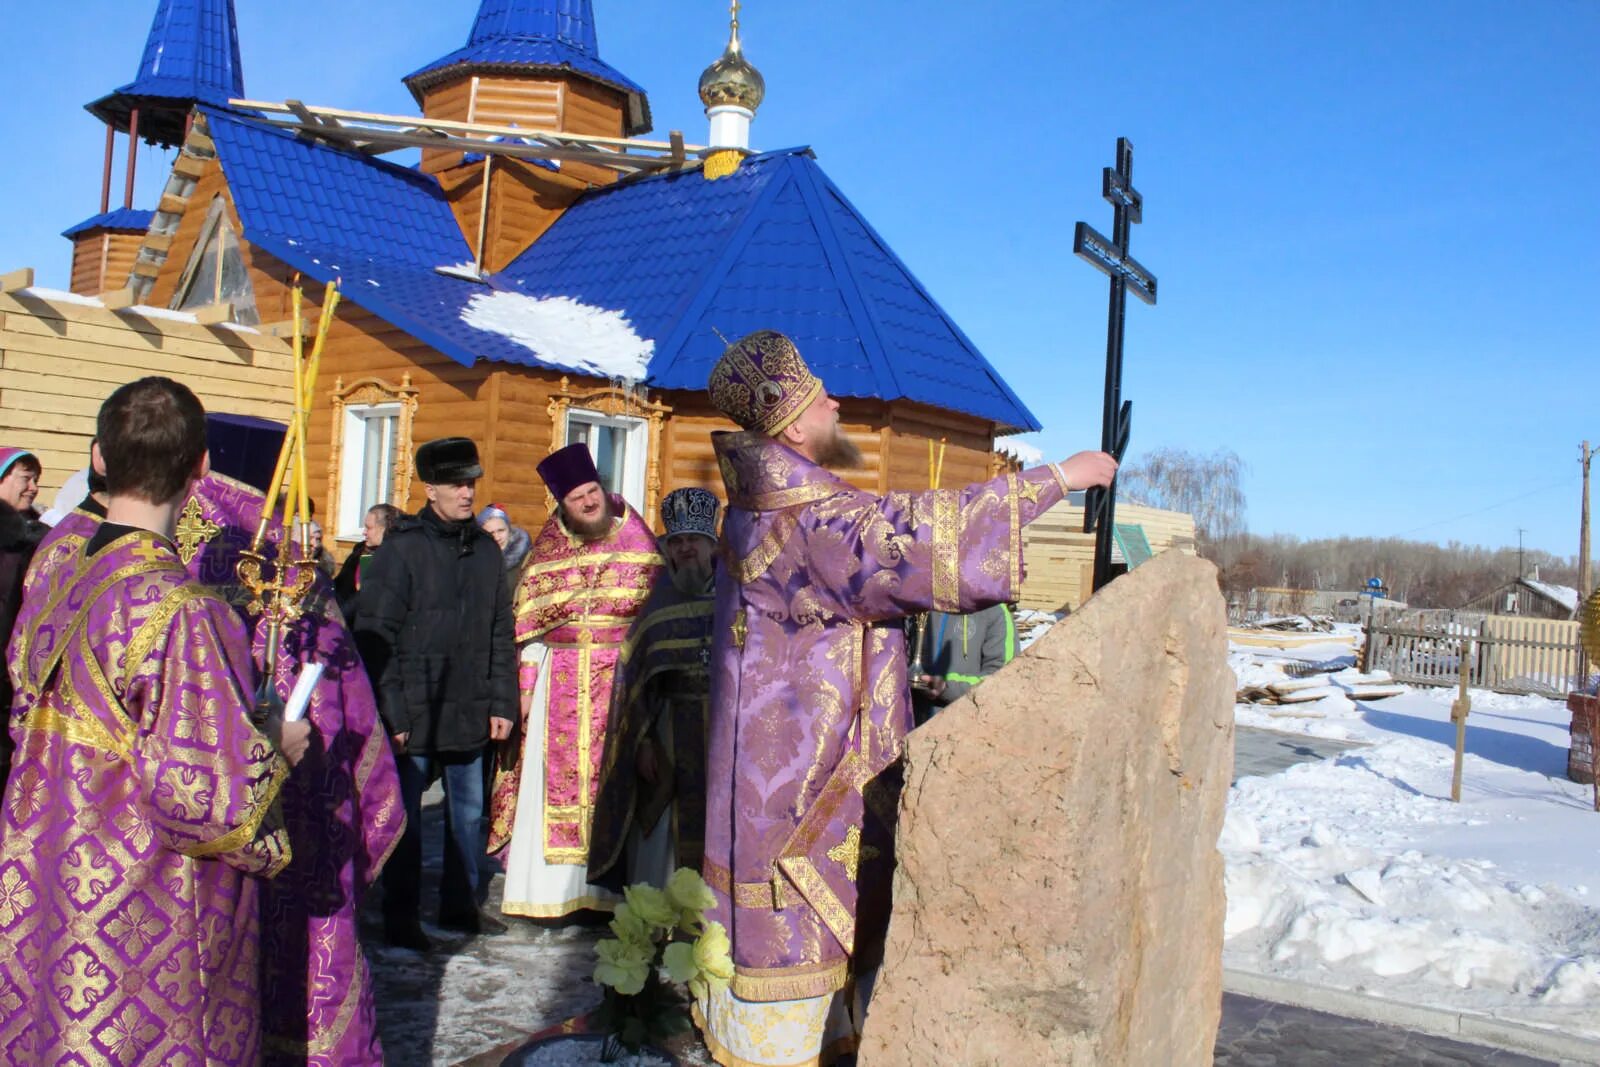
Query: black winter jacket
{"x": 20, "y": 533}
{"x": 434, "y": 626}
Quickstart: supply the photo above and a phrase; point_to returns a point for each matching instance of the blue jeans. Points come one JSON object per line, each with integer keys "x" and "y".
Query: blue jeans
{"x": 463, "y": 844}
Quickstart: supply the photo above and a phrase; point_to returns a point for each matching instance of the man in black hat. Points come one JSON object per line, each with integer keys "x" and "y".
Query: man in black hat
{"x": 434, "y": 626}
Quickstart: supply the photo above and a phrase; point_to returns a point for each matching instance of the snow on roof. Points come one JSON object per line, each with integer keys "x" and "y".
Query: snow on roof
{"x": 564, "y": 332}
{"x": 1564, "y": 595}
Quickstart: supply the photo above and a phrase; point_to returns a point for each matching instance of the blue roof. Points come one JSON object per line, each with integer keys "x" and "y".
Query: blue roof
{"x": 191, "y": 57}
{"x": 774, "y": 246}
{"x": 123, "y": 218}
{"x": 535, "y": 35}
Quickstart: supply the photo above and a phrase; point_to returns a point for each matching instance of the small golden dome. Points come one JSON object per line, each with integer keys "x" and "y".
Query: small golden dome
{"x": 731, "y": 79}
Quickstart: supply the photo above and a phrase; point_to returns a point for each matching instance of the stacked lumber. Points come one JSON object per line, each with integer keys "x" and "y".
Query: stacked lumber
{"x": 61, "y": 356}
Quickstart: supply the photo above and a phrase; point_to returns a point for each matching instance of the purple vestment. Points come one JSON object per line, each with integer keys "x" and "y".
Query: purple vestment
{"x": 342, "y": 807}
{"x": 809, "y": 698}
{"x": 141, "y": 804}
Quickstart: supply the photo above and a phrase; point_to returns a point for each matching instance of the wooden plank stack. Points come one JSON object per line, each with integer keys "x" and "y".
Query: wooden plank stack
{"x": 60, "y": 358}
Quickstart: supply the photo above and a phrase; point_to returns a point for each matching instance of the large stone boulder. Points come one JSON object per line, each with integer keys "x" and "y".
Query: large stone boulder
{"x": 1059, "y": 892}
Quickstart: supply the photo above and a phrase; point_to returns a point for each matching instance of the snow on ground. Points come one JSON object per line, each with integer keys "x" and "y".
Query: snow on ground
{"x": 1359, "y": 872}
{"x": 565, "y": 332}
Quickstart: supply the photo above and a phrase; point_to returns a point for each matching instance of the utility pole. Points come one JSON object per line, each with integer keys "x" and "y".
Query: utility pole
{"x": 1583, "y": 529}
{"x": 1520, "y": 569}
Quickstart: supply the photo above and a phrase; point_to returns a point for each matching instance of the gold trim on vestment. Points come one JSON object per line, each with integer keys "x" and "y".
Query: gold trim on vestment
{"x": 829, "y": 1053}
{"x": 1014, "y": 534}
{"x": 778, "y": 499}
{"x": 567, "y": 596}
{"x": 752, "y": 896}
{"x": 154, "y": 627}
{"x": 590, "y": 560}
{"x": 766, "y": 552}
{"x": 946, "y": 550}
{"x": 641, "y": 631}
{"x": 245, "y": 832}
{"x": 767, "y": 984}
{"x": 557, "y": 911}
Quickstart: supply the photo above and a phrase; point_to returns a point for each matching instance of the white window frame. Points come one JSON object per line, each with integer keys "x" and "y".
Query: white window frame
{"x": 352, "y": 509}
{"x": 635, "y": 448}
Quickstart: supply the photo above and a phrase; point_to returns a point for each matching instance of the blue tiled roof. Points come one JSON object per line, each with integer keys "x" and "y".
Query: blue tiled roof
{"x": 536, "y": 35}
{"x": 775, "y": 245}
{"x": 191, "y": 57}
{"x": 123, "y": 218}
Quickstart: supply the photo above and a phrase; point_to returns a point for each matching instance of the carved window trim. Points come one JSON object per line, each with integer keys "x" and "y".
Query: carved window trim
{"x": 372, "y": 392}
{"x": 615, "y": 402}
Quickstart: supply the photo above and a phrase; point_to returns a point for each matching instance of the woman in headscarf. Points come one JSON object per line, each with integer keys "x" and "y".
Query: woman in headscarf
{"x": 513, "y": 540}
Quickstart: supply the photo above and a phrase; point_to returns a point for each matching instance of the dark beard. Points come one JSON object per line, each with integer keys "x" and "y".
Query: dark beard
{"x": 589, "y": 531}
{"x": 840, "y": 453}
{"x": 690, "y": 579}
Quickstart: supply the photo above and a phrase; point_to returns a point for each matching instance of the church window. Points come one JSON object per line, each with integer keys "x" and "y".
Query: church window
{"x": 618, "y": 445}
{"x": 216, "y": 272}
{"x": 371, "y": 462}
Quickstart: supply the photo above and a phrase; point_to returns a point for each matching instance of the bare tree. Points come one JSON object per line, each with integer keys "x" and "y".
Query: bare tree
{"x": 1205, "y": 486}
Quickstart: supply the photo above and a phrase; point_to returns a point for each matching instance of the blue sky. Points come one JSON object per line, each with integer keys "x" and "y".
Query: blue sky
{"x": 1375, "y": 224}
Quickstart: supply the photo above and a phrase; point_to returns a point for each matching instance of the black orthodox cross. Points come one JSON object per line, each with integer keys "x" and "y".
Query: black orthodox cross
{"x": 1111, "y": 257}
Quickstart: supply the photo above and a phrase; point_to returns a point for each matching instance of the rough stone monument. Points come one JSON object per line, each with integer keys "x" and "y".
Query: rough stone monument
{"x": 1059, "y": 894}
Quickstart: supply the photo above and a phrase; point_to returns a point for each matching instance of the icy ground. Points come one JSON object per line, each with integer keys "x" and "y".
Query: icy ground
{"x": 1358, "y": 872}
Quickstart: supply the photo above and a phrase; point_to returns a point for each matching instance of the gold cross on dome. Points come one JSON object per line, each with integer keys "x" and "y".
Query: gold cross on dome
{"x": 851, "y": 852}
{"x": 193, "y": 530}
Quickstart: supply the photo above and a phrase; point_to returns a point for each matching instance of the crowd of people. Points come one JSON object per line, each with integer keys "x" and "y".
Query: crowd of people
{"x": 183, "y": 855}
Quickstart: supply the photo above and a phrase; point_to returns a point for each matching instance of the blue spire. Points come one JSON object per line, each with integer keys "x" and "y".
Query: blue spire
{"x": 191, "y": 57}
{"x": 535, "y": 36}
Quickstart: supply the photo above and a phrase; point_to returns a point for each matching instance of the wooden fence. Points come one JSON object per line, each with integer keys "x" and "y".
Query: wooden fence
{"x": 1509, "y": 654}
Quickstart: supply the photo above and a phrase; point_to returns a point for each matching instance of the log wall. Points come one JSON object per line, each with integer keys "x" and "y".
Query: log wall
{"x": 102, "y": 260}
{"x": 59, "y": 361}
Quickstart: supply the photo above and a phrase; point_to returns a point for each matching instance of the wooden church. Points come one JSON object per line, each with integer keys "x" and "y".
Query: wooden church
{"x": 543, "y": 275}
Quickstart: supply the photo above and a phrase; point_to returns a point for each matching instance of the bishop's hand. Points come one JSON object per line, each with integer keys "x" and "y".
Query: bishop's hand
{"x": 1087, "y": 470}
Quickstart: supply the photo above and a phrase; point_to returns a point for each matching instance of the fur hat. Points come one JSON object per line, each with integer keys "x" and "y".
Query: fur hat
{"x": 762, "y": 383}
{"x": 567, "y": 468}
{"x": 448, "y": 460}
{"x": 690, "y": 511}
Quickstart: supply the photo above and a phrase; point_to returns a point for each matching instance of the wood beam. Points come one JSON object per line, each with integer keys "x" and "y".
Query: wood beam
{"x": 118, "y": 299}
{"x": 17, "y": 279}
{"x": 214, "y": 314}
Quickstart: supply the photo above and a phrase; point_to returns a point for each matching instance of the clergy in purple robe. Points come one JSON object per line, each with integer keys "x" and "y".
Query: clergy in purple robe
{"x": 809, "y": 696}
{"x": 342, "y": 805}
{"x": 143, "y": 809}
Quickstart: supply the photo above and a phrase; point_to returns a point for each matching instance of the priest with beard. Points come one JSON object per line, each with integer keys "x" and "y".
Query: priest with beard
{"x": 809, "y": 697}
{"x": 591, "y": 569}
{"x": 651, "y": 813}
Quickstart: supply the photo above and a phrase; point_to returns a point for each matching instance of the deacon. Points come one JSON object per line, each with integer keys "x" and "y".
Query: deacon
{"x": 434, "y": 626}
{"x": 809, "y": 696}
{"x": 143, "y": 803}
{"x": 588, "y": 574}
{"x": 342, "y": 805}
{"x": 651, "y": 814}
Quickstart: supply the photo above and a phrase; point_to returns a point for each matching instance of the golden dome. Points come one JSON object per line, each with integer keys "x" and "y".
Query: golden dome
{"x": 731, "y": 79}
